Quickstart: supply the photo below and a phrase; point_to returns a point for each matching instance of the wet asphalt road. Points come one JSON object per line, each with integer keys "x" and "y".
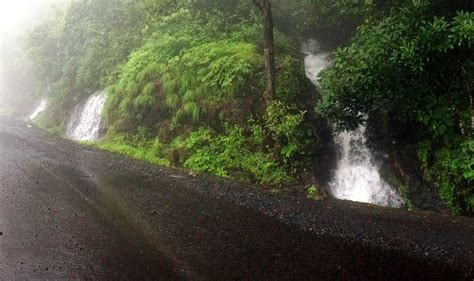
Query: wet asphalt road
{"x": 72, "y": 212}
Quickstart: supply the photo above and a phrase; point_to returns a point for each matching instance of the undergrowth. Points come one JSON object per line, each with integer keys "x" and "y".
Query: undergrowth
{"x": 136, "y": 147}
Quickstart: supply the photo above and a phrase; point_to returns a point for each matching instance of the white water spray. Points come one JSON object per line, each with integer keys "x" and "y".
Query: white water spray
{"x": 85, "y": 121}
{"x": 40, "y": 107}
{"x": 315, "y": 61}
{"x": 356, "y": 178}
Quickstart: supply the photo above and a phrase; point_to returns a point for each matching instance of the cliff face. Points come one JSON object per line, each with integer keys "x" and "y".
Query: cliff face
{"x": 395, "y": 150}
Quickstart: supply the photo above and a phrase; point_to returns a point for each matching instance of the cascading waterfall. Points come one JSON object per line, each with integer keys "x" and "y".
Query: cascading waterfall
{"x": 86, "y": 119}
{"x": 356, "y": 178}
{"x": 315, "y": 61}
{"x": 40, "y": 107}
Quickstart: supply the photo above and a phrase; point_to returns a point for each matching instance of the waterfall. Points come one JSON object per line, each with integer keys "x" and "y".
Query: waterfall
{"x": 85, "y": 121}
{"x": 356, "y": 177}
{"x": 315, "y": 60}
{"x": 40, "y": 107}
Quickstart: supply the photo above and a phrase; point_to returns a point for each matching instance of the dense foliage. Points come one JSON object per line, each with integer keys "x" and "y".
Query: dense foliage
{"x": 194, "y": 68}
{"x": 199, "y": 89}
{"x": 76, "y": 52}
{"x": 187, "y": 75}
{"x": 416, "y": 69}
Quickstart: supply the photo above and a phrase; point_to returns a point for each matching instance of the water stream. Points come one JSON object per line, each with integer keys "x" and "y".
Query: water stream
{"x": 85, "y": 121}
{"x": 315, "y": 60}
{"x": 356, "y": 177}
{"x": 40, "y": 107}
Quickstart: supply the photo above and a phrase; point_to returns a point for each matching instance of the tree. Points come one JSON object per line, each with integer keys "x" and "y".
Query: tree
{"x": 265, "y": 8}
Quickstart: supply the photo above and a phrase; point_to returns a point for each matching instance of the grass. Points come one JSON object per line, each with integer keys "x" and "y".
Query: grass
{"x": 145, "y": 151}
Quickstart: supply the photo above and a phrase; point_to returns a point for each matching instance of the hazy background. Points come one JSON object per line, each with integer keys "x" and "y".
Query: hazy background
{"x": 17, "y": 17}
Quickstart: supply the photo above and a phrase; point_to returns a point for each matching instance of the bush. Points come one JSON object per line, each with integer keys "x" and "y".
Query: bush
{"x": 451, "y": 168}
{"x": 206, "y": 78}
{"x": 198, "y": 73}
{"x": 219, "y": 153}
{"x": 136, "y": 147}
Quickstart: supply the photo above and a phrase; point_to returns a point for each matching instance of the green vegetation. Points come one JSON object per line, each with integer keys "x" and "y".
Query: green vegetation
{"x": 136, "y": 147}
{"x": 219, "y": 154}
{"x": 186, "y": 82}
{"x": 187, "y": 74}
{"x": 312, "y": 193}
{"x": 199, "y": 90}
{"x": 76, "y": 52}
{"x": 415, "y": 69}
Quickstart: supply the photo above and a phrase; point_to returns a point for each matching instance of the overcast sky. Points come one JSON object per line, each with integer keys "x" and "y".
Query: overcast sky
{"x": 15, "y": 14}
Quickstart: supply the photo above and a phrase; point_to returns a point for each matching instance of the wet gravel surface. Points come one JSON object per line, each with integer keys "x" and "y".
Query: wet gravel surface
{"x": 74, "y": 212}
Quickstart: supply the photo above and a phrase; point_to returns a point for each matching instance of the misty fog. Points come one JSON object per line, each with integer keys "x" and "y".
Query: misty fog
{"x": 16, "y": 84}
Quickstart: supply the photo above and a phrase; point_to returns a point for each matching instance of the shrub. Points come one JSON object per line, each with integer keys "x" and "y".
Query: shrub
{"x": 220, "y": 153}
{"x": 136, "y": 147}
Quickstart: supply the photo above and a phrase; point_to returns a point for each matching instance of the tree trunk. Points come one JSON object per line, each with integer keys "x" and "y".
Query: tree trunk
{"x": 265, "y": 8}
